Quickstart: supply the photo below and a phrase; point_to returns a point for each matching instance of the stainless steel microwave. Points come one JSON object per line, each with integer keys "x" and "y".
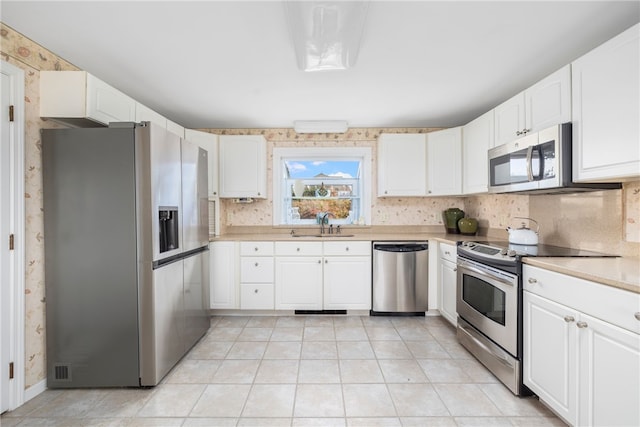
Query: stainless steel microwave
{"x": 537, "y": 163}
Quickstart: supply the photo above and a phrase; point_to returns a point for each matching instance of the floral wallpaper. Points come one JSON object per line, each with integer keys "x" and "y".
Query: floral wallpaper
{"x": 614, "y": 217}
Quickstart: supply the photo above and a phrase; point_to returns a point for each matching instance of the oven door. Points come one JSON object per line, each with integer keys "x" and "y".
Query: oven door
{"x": 487, "y": 298}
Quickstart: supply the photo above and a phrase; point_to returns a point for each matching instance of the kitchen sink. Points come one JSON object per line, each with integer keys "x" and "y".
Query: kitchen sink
{"x": 322, "y": 235}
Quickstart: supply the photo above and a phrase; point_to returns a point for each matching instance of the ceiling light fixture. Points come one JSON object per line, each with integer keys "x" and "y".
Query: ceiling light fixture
{"x": 320, "y": 126}
{"x": 326, "y": 34}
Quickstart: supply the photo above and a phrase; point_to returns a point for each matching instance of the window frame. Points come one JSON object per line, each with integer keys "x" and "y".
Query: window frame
{"x": 361, "y": 154}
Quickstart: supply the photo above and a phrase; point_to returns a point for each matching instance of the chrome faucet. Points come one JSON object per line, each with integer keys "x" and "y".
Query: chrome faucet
{"x": 322, "y": 219}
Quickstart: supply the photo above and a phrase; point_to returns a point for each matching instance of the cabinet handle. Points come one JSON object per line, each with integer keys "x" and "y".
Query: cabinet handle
{"x": 447, "y": 253}
{"x": 581, "y": 325}
{"x": 637, "y": 316}
{"x": 569, "y": 319}
{"x": 256, "y": 264}
{"x": 532, "y": 280}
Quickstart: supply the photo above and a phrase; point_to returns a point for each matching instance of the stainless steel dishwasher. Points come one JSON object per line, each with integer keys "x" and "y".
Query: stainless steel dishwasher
{"x": 400, "y": 278}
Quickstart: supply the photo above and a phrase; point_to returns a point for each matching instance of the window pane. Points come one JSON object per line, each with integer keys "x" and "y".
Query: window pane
{"x": 309, "y": 208}
{"x": 301, "y": 169}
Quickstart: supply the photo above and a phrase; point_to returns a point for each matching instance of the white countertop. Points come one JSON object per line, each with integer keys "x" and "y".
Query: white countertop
{"x": 622, "y": 273}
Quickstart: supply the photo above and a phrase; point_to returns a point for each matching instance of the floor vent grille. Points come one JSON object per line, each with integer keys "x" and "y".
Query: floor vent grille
{"x": 61, "y": 373}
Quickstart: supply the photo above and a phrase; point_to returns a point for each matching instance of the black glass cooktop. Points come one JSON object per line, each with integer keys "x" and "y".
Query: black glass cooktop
{"x": 501, "y": 249}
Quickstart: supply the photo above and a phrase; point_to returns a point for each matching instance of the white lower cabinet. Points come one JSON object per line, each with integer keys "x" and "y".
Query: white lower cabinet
{"x": 447, "y": 276}
{"x": 223, "y": 275}
{"x": 347, "y": 276}
{"x": 317, "y": 276}
{"x": 256, "y": 276}
{"x": 582, "y": 348}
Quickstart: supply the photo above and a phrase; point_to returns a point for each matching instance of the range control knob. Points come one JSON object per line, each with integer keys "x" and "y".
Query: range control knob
{"x": 503, "y": 252}
{"x": 511, "y": 253}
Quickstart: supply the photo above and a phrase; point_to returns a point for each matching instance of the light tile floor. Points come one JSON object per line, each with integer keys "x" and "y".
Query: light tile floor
{"x": 305, "y": 371}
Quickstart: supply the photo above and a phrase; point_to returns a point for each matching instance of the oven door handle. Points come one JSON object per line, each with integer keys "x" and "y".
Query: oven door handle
{"x": 502, "y": 280}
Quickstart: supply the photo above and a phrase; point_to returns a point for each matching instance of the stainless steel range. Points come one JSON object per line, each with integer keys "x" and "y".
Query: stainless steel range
{"x": 489, "y": 303}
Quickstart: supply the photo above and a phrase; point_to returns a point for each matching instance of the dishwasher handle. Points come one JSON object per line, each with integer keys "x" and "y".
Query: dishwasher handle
{"x": 400, "y": 247}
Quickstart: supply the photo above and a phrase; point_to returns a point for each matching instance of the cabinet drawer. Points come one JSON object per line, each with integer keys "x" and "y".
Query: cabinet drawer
{"x": 299, "y": 248}
{"x": 256, "y": 296}
{"x": 256, "y": 248}
{"x": 606, "y": 303}
{"x": 256, "y": 269}
{"x": 347, "y": 248}
{"x": 448, "y": 252}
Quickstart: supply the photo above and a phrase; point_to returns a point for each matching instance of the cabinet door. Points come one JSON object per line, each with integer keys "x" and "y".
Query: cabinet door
{"x": 106, "y": 104}
{"x": 548, "y": 102}
{"x": 550, "y": 354}
{"x": 444, "y": 162}
{"x": 509, "y": 119}
{"x": 298, "y": 283}
{"x": 173, "y": 127}
{"x": 223, "y": 273}
{"x": 606, "y": 107}
{"x": 609, "y": 374}
{"x": 347, "y": 283}
{"x": 209, "y": 142}
{"x": 477, "y": 139}
{"x": 447, "y": 277}
{"x": 243, "y": 166}
{"x": 402, "y": 165}
{"x": 146, "y": 114}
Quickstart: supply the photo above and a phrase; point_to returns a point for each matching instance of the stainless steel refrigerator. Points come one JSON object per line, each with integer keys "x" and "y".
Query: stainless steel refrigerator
{"x": 126, "y": 253}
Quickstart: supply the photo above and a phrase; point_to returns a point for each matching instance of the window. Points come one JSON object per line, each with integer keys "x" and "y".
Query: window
{"x": 310, "y": 183}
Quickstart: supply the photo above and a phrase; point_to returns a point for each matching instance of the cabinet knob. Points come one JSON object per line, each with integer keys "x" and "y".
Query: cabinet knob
{"x": 386, "y": 192}
{"x": 569, "y": 319}
{"x": 347, "y": 249}
{"x": 298, "y": 249}
{"x": 637, "y": 316}
{"x": 326, "y": 262}
{"x": 255, "y": 249}
{"x": 255, "y": 291}
{"x": 319, "y": 262}
{"x": 455, "y": 269}
{"x": 532, "y": 280}
{"x": 581, "y": 325}
{"x": 258, "y": 193}
{"x": 256, "y": 264}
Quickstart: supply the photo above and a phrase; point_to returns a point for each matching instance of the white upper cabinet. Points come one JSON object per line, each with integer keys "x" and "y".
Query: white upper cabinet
{"x": 209, "y": 142}
{"x": 79, "y": 99}
{"x": 243, "y": 166}
{"x": 606, "y": 107}
{"x": 175, "y": 128}
{"x": 544, "y": 104}
{"x": 477, "y": 139}
{"x": 402, "y": 165}
{"x": 146, "y": 114}
{"x": 444, "y": 162}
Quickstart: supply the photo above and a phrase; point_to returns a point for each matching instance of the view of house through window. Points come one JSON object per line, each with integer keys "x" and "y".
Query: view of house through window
{"x": 321, "y": 188}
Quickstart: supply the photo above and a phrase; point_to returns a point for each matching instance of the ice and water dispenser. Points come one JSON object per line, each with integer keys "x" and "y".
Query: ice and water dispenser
{"x": 168, "y": 221}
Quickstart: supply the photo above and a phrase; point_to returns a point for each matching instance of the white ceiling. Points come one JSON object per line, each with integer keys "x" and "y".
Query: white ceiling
{"x": 231, "y": 64}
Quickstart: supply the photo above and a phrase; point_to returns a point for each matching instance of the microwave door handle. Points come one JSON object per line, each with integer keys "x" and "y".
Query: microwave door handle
{"x": 529, "y": 165}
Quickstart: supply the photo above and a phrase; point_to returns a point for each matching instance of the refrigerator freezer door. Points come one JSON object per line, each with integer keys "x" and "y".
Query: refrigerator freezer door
{"x": 159, "y": 176}
{"x": 195, "y": 202}
{"x": 162, "y": 344}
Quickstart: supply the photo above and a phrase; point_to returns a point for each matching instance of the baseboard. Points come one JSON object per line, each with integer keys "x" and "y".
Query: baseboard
{"x": 34, "y": 390}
